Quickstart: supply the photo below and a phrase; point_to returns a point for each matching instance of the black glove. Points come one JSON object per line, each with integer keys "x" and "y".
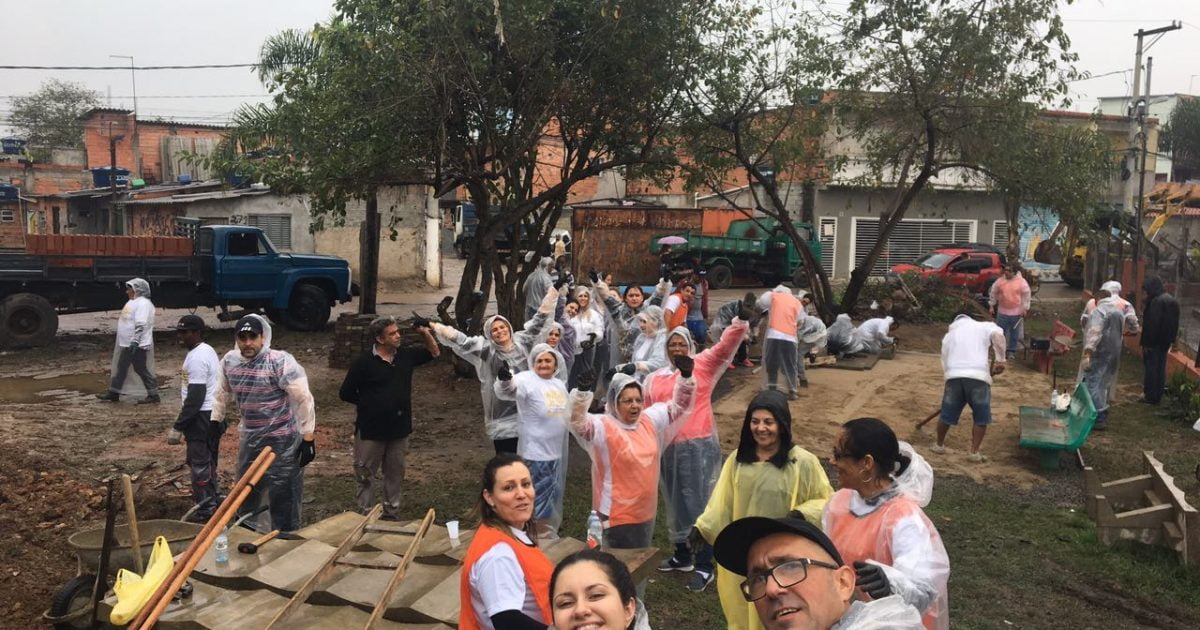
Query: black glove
{"x": 872, "y": 580}
{"x": 586, "y": 381}
{"x": 504, "y": 374}
{"x": 587, "y": 344}
{"x": 746, "y": 311}
{"x": 419, "y": 322}
{"x": 695, "y": 541}
{"x": 594, "y": 275}
{"x": 558, "y": 284}
{"x": 612, "y": 371}
{"x": 685, "y": 364}
{"x": 307, "y": 452}
{"x": 629, "y": 369}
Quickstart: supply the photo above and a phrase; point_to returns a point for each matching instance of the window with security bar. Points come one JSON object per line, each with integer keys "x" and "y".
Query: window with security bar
{"x": 278, "y": 228}
{"x": 911, "y": 239}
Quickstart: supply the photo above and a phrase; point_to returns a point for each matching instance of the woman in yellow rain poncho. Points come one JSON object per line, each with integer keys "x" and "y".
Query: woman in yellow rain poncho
{"x": 766, "y": 476}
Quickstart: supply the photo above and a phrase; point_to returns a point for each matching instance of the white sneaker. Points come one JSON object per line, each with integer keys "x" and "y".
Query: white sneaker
{"x": 977, "y": 457}
{"x": 938, "y": 448}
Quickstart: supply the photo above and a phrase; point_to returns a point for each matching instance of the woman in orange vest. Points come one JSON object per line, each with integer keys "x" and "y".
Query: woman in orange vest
{"x": 505, "y": 582}
{"x": 877, "y": 522}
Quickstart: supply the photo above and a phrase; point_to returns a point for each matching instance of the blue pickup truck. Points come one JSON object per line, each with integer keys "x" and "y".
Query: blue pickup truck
{"x": 230, "y": 266}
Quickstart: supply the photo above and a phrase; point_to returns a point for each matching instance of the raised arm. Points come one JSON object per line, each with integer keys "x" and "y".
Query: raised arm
{"x": 721, "y": 353}
{"x": 470, "y": 349}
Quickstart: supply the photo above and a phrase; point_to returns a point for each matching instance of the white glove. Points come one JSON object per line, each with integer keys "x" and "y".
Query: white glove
{"x": 440, "y": 329}
{"x": 549, "y": 302}
{"x": 1085, "y": 364}
{"x": 662, "y": 287}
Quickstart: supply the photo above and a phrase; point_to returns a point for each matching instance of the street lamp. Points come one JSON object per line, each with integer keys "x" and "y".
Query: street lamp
{"x": 132, "y": 77}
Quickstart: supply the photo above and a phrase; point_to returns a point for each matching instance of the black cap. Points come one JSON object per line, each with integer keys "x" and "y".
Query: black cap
{"x": 190, "y": 322}
{"x": 249, "y": 323}
{"x": 732, "y": 546}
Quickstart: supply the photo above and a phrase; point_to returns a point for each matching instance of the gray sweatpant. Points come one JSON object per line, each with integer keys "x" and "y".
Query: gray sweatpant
{"x": 779, "y": 354}
{"x": 372, "y": 456}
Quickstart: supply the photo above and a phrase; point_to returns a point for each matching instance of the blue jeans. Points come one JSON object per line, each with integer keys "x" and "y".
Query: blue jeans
{"x": 961, "y": 392}
{"x": 1011, "y": 325}
{"x": 699, "y": 330}
{"x": 547, "y": 497}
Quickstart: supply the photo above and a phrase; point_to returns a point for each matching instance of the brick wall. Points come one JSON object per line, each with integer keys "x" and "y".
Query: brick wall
{"x": 150, "y": 134}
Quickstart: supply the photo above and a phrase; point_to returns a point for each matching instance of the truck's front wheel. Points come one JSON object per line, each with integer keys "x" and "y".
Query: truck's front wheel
{"x": 720, "y": 277}
{"x": 27, "y": 320}
{"x": 308, "y": 310}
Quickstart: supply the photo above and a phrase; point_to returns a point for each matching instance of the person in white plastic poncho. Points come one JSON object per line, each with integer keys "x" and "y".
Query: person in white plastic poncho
{"x": 625, "y": 445}
{"x": 811, "y": 336}
{"x": 692, "y": 459}
{"x": 797, "y": 579}
{"x": 541, "y": 396}
{"x": 649, "y": 348}
{"x": 134, "y": 348}
{"x": 623, "y": 326}
{"x": 877, "y": 523}
{"x": 1102, "y": 351}
{"x": 498, "y": 346}
{"x": 277, "y": 410}
{"x": 767, "y": 476}
{"x": 873, "y": 334}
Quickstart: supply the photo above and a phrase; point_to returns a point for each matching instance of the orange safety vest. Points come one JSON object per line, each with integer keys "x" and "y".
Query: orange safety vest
{"x": 679, "y": 316}
{"x": 862, "y": 538}
{"x": 534, "y": 563}
{"x": 784, "y": 310}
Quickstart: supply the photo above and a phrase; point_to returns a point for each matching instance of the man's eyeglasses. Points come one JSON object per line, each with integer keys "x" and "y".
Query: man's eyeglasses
{"x": 786, "y": 574}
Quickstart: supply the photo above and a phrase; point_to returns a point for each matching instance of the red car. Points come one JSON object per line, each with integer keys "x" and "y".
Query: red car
{"x": 974, "y": 266}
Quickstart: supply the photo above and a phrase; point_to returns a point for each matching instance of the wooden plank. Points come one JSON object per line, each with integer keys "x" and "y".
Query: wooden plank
{"x": 326, "y": 569}
{"x": 1147, "y": 517}
{"x": 401, "y": 569}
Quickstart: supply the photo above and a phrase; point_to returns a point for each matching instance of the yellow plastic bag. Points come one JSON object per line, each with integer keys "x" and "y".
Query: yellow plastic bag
{"x": 133, "y": 590}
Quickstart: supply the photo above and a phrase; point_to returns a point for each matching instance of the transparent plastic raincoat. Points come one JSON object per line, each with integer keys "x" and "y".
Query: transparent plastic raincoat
{"x": 566, "y": 332}
{"x": 888, "y": 613}
{"x": 625, "y": 457}
{"x": 692, "y": 459}
{"x": 536, "y": 285}
{"x": 892, "y": 531}
{"x": 621, "y": 325}
{"x": 587, "y": 322}
{"x": 761, "y": 489}
{"x": 873, "y": 334}
{"x": 544, "y": 415}
{"x": 1102, "y": 336}
{"x": 277, "y": 410}
{"x": 649, "y": 351}
{"x": 133, "y": 369}
{"x": 499, "y": 416}
{"x": 840, "y": 337}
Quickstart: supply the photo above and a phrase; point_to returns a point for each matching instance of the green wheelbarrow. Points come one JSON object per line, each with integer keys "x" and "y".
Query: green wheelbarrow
{"x": 1053, "y": 432}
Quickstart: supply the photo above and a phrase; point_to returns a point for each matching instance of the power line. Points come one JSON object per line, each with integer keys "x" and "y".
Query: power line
{"x": 11, "y": 96}
{"x": 194, "y": 67}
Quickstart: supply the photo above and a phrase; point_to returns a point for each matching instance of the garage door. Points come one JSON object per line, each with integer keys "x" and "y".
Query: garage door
{"x": 909, "y": 241}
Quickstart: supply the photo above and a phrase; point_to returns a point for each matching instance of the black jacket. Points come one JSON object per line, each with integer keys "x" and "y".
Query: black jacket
{"x": 1160, "y": 321}
{"x": 382, "y": 392}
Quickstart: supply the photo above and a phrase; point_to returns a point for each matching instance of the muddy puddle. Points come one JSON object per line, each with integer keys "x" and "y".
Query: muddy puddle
{"x": 32, "y": 389}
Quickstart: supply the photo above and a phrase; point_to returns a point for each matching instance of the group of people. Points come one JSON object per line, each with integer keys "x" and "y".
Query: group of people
{"x": 766, "y": 513}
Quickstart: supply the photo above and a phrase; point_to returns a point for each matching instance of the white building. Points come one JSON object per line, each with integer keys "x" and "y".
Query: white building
{"x": 1160, "y": 107}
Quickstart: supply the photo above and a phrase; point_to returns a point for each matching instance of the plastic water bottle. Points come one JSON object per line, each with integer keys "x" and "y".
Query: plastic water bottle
{"x": 221, "y": 546}
{"x": 595, "y": 531}
{"x": 1054, "y": 398}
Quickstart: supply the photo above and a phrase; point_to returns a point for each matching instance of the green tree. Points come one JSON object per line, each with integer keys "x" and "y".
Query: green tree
{"x": 929, "y": 83}
{"x": 513, "y": 102}
{"x": 754, "y": 121}
{"x": 49, "y": 117}
{"x": 1180, "y": 137}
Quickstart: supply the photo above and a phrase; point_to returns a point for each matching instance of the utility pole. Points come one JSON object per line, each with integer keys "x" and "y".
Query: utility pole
{"x": 137, "y": 150}
{"x": 1137, "y": 117}
{"x": 112, "y": 179}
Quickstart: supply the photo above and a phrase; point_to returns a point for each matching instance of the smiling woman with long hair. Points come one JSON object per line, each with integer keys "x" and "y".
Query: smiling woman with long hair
{"x": 767, "y": 476}
{"x": 505, "y": 581}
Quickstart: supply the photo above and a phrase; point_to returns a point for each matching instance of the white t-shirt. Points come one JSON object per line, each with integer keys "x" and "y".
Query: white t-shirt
{"x": 498, "y": 584}
{"x": 544, "y": 411}
{"x": 673, "y": 303}
{"x": 201, "y": 366}
{"x": 137, "y": 313}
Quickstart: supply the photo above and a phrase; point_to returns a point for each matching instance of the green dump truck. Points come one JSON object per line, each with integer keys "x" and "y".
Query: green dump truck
{"x": 754, "y": 250}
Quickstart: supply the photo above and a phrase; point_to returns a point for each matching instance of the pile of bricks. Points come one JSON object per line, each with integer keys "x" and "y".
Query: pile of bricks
{"x": 105, "y": 245}
{"x": 349, "y": 339}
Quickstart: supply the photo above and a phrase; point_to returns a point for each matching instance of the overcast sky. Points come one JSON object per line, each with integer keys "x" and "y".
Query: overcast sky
{"x": 157, "y": 32}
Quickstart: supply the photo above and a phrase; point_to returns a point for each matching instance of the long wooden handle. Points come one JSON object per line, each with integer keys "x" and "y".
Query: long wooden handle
{"x": 401, "y": 570}
{"x": 241, "y": 489}
{"x": 262, "y": 540}
{"x": 135, "y": 540}
{"x": 926, "y": 420}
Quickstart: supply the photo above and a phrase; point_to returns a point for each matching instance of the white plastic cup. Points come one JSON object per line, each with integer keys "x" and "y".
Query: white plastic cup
{"x": 452, "y": 529}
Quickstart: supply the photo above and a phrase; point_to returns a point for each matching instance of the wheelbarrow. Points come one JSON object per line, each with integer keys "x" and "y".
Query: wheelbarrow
{"x": 72, "y": 603}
